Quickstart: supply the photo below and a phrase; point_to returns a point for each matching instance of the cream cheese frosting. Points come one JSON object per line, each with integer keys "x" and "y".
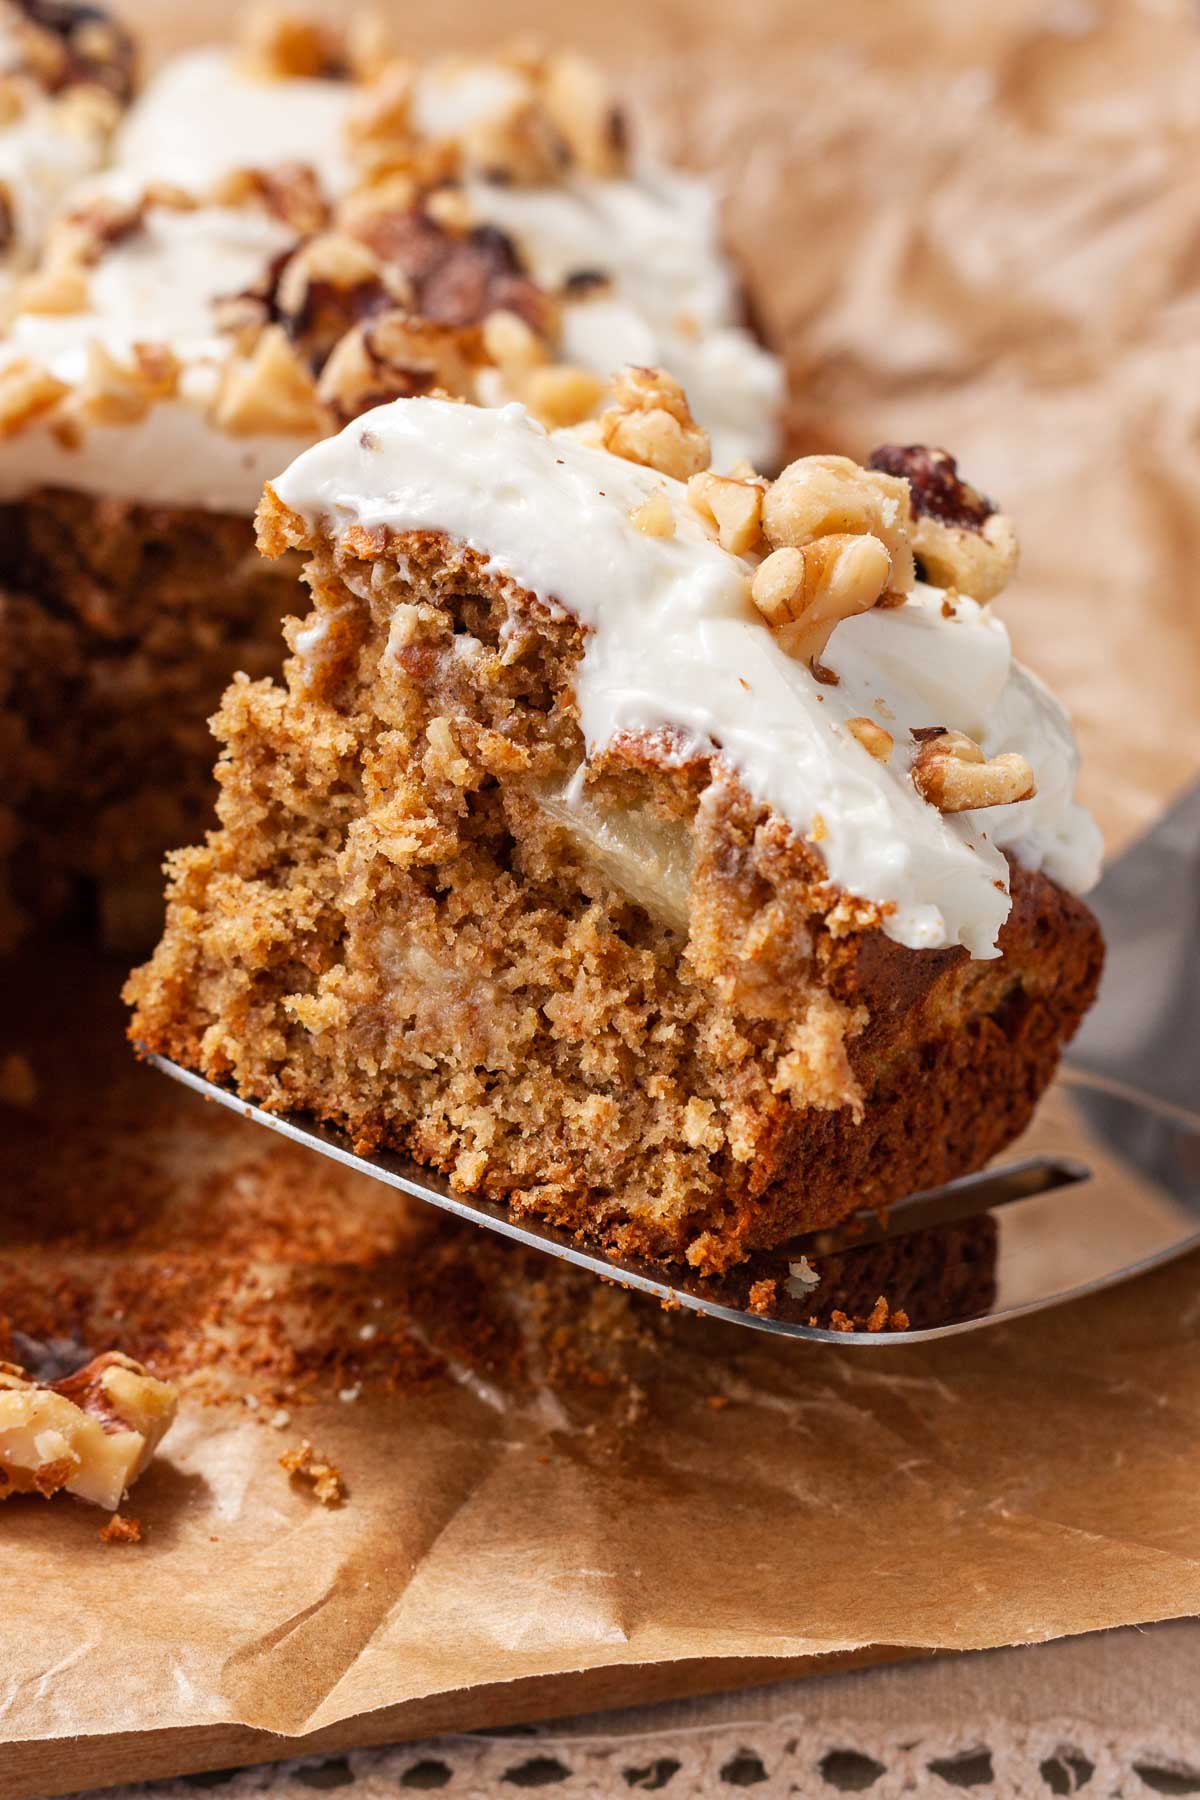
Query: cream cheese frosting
{"x": 668, "y": 298}
{"x": 202, "y": 117}
{"x": 674, "y": 641}
{"x": 158, "y": 285}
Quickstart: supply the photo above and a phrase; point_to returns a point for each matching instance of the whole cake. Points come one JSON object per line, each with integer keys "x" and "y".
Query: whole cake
{"x": 646, "y": 847}
{"x": 286, "y": 234}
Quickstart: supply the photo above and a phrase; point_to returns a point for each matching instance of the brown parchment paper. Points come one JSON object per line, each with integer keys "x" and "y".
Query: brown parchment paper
{"x": 967, "y": 224}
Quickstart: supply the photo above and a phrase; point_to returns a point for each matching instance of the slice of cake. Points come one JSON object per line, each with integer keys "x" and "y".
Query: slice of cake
{"x": 290, "y": 233}
{"x": 641, "y": 846}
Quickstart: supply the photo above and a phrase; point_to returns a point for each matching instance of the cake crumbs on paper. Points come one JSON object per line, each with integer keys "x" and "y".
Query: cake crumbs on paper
{"x": 325, "y": 1478}
{"x": 118, "y": 1530}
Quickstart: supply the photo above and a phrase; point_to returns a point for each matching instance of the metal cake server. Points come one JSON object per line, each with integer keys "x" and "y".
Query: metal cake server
{"x": 1107, "y": 1184}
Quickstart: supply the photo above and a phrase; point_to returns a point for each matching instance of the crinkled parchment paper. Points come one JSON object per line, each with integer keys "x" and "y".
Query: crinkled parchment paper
{"x": 967, "y": 224}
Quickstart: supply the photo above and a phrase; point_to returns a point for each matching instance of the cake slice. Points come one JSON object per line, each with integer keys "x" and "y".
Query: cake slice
{"x": 642, "y": 847}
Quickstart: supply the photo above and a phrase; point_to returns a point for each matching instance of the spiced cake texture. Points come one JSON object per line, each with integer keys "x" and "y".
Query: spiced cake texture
{"x": 119, "y": 624}
{"x": 394, "y": 929}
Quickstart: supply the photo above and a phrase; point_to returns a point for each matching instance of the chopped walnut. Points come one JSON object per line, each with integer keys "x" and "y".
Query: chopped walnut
{"x": 822, "y": 496}
{"x": 88, "y": 113}
{"x": 329, "y": 285}
{"x": 26, "y": 392}
{"x": 290, "y": 191}
{"x": 578, "y": 101}
{"x": 733, "y": 504}
{"x": 953, "y": 774}
{"x": 269, "y": 390}
{"x": 652, "y": 424}
{"x": 872, "y": 736}
{"x": 516, "y": 147}
{"x": 280, "y": 43}
{"x": 113, "y": 392}
{"x": 803, "y": 593}
{"x": 392, "y": 356}
{"x": 69, "y": 43}
{"x": 654, "y": 517}
{"x": 325, "y": 1478}
{"x": 511, "y": 344}
{"x": 58, "y": 287}
{"x": 561, "y": 394}
{"x": 379, "y": 125}
{"x": 91, "y": 1433}
{"x": 960, "y": 537}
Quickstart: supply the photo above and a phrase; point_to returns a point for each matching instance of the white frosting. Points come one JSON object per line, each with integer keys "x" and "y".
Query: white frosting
{"x": 671, "y": 299}
{"x": 156, "y": 286}
{"x": 40, "y": 162}
{"x": 675, "y": 641}
{"x": 202, "y": 116}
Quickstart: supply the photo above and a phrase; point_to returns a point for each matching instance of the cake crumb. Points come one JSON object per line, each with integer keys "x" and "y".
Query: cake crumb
{"x": 325, "y": 1477}
{"x": 118, "y": 1530}
{"x": 878, "y": 1316}
{"x": 762, "y": 1296}
{"x": 838, "y": 1321}
{"x": 716, "y": 1402}
{"x": 899, "y": 1320}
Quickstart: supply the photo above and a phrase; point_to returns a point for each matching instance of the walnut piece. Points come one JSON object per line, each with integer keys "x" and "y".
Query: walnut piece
{"x": 952, "y": 773}
{"x": 26, "y": 392}
{"x": 269, "y": 390}
{"x": 280, "y": 43}
{"x": 961, "y": 538}
{"x": 654, "y": 518}
{"x": 803, "y": 593}
{"x": 734, "y": 506}
{"x": 515, "y": 147}
{"x": 822, "y": 496}
{"x": 394, "y": 355}
{"x": 872, "y": 736}
{"x": 581, "y": 107}
{"x": 92, "y": 1433}
{"x": 652, "y": 424}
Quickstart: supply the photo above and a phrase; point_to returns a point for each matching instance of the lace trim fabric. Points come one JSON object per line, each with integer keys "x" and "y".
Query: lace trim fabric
{"x": 789, "y": 1758}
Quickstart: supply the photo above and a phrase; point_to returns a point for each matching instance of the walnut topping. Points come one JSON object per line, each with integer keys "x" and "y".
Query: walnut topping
{"x": 735, "y": 506}
{"x": 952, "y": 773}
{"x": 821, "y": 496}
{"x": 393, "y": 356}
{"x": 511, "y": 344}
{"x": 515, "y": 147}
{"x": 455, "y": 278}
{"x": 872, "y": 736}
{"x": 289, "y": 191}
{"x": 269, "y": 390}
{"x": 652, "y": 424}
{"x": 560, "y": 394}
{"x": 118, "y": 393}
{"x": 654, "y": 516}
{"x": 379, "y": 124}
{"x": 68, "y": 43}
{"x": 280, "y": 44}
{"x": 330, "y": 284}
{"x": 804, "y": 592}
{"x": 26, "y": 392}
{"x": 91, "y": 1433}
{"x": 961, "y": 538}
{"x": 578, "y": 101}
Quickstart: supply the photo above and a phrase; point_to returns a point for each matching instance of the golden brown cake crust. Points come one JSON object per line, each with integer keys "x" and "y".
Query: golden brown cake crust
{"x": 394, "y": 930}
